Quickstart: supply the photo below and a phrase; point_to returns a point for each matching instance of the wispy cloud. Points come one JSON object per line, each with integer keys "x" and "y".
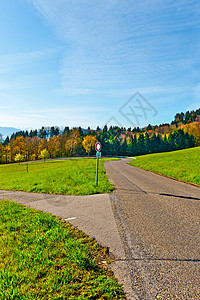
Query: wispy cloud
{"x": 122, "y": 43}
{"x": 109, "y": 50}
{"x": 62, "y": 116}
{"x": 19, "y": 60}
{"x": 24, "y": 82}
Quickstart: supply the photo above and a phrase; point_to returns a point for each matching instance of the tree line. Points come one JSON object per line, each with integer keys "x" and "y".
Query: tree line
{"x": 75, "y": 142}
{"x": 143, "y": 143}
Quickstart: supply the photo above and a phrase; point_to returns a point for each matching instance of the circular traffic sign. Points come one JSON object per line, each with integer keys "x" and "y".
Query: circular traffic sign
{"x": 98, "y": 146}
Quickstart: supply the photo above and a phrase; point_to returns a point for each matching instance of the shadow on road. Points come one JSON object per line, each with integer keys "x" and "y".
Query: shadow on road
{"x": 176, "y": 196}
{"x": 159, "y": 259}
{"x": 161, "y": 194}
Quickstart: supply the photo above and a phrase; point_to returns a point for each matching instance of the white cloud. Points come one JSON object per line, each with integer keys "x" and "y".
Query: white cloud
{"x": 18, "y": 60}
{"x": 122, "y": 43}
{"x": 62, "y": 116}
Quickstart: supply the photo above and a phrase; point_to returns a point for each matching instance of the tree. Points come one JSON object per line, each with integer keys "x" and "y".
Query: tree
{"x": 105, "y": 129}
{"x": 153, "y": 143}
{"x": 149, "y": 127}
{"x": 124, "y": 147}
{"x": 73, "y": 143}
{"x": 19, "y": 157}
{"x": 89, "y": 142}
{"x": 44, "y": 154}
{"x": 131, "y": 145}
{"x": 42, "y": 145}
{"x": 1, "y": 138}
{"x": 53, "y": 145}
{"x": 141, "y": 144}
{"x": 7, "y": 154}
{"x": 18, "y": 145}
{"x": 1, "y": 152}
{"x": 147, "y": 142}
{"x": 193, "y": 129}
{"x": 6, "y": 141}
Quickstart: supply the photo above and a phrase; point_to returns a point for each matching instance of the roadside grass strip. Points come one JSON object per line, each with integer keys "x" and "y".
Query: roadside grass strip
{"x": 69, "y": 177}
{"x": 183, "y": 165}
{"x": 43, "y": 257}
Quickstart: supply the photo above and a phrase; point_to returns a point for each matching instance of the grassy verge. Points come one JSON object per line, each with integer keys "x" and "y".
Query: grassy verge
{"x": 71, "y": 177}
{"x": 183, "y": 164}
{"x": 43, "y": 257}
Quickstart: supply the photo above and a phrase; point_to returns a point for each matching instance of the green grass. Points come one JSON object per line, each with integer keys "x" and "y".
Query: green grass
{"x": 71, "y": 177}
{"x": 43, "y": 257}
{"x": 183, "y": 164}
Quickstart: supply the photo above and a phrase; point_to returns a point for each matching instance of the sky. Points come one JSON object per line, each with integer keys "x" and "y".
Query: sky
{"x": 96, "y": 62}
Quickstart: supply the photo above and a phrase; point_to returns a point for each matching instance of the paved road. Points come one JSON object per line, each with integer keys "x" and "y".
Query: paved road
{"x": 150, "y": 223}
{"x": 159, "y": 224}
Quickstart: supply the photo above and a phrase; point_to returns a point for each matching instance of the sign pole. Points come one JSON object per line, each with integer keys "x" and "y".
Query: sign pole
{"x": 97, "y": 170}
{"x": 98, "y": 154}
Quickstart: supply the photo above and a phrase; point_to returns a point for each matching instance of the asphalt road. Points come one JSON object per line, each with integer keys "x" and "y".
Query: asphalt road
{"x": 150, "y": 223}
{"x": 158, "y": 220}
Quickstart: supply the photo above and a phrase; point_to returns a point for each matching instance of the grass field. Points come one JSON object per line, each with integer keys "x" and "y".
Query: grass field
{"x": 43, "y": 257}
{"x": 71, "y": 177}
{"x": 183, "y": 164}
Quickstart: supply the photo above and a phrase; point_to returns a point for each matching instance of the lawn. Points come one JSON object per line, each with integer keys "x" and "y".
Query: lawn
{"x": 183, "y": 164}
{"x": 43, "y": 257}
{"x": 70, "y": 177}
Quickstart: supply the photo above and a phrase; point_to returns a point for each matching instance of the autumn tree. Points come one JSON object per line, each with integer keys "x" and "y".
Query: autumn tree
{"x": 193, "y": 129}
{"x": 44, "y": 154}
{"x": 89, "y": 142}
{"x": 19, "y": 157}
{"x": 53, "y": 146}
{"x": 1, "y": 152}
{"x": 73, "y": 143}
{"x": 18, "y": 145}
{"x": 31, "y": 148}
{"x": 42, "y": 145}
{"x": 7, "y": 157}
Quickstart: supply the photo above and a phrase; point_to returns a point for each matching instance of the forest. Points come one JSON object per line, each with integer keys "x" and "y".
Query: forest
{"x": 50, "y": 142}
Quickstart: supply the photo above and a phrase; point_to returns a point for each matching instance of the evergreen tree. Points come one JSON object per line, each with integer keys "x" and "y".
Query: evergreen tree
{"x": 6, "y": 142}
{"x": 147, "y": 143}
{"x": 141, "y": 144}
{"x": 149, "y": 127}
{"x": 130, "y": 145}
{"x": 124, "y": 147}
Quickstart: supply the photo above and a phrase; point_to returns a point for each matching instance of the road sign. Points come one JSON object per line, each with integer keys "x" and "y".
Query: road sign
{"x": 98, "y": 154}
{"x": 98, "y": 146}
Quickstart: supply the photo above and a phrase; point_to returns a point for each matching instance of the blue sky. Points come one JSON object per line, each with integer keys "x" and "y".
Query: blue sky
{"x": 76, "y": 63}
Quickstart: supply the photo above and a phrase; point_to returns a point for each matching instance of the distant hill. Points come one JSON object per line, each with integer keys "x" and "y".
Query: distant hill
{"x": 7, "y": 131}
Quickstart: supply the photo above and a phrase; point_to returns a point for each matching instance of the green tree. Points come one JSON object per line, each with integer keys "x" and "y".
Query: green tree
{"x": 124, "y": 147}
{"x": 141, "y": 144}
{"x": 147, "y": 143}
{"x": 44, "y": 154}
{"x": 19, "y": 157}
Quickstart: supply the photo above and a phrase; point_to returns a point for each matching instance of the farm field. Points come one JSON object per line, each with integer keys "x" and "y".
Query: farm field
{"x": 43, "y": 257}
{"x": 183, "y": 164}
{"x": 70, "y": 177}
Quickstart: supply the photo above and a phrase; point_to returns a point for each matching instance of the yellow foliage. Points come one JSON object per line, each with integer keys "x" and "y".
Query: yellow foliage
{"x": 73, "y": 142}
{"x": 194, "y": 129}
{"x": 89, "y": 142}
{"x": 53, "y": 145}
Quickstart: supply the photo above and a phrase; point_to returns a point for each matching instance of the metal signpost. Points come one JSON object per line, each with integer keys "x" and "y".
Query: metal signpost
{"x": 98, "y": 154}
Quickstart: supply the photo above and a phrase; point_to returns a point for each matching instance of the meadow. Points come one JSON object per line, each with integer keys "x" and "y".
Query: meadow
{"x": 183, "y": 165}
{"x": 43, "y": 257}
{"x": 70, "y": 177}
